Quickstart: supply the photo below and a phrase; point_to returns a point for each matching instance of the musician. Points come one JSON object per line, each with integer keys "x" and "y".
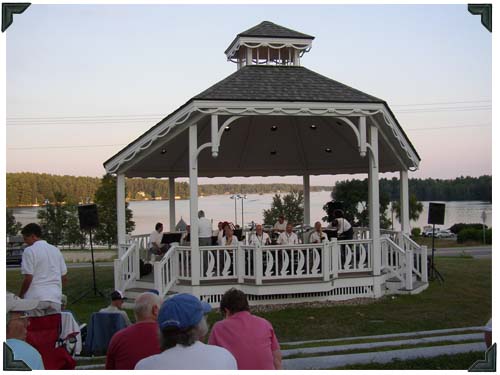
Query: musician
{"x": 280, "y": 225}
{"x": 344, "y": 228}
{"x": 260, "y": 237}
{"x": 318, "y": 236}
{"x": 288, "y": 237}
{"x": 229, "y": 238}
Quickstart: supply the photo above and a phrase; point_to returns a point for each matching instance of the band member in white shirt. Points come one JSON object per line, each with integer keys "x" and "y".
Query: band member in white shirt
{"x": 204, "y": 230}
{"x": 155, "y": 245}
{"x": 229, "y": 238}
{"x": 280, "y": 225}
{"x": 318, "y": 236}
{"x": 288, "y": 237}
{"x": 344, "y": 228}
{"x": 260, "y": 237}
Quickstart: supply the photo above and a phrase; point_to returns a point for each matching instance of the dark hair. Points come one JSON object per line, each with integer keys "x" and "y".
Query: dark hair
{"x": 338, "y": 214}
{"x": 158, "y": 226}
{"x": 235, "y": 301}
{"x": 32, "y": 228}
{"x": 171, "y": 336}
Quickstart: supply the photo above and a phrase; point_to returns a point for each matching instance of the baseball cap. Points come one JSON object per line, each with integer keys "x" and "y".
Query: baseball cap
{"x": 117, "y": 295}
{"x": 182, "y": 311}
{"x": 14, "y": 303}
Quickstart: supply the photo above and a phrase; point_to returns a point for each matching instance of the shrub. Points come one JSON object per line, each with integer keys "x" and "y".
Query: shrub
{"x": 456, "y": 228}
{"x": 415, "y": 232}
{"x": 473, "y": 234}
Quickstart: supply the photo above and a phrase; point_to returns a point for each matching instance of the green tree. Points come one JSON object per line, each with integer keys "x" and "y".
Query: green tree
{"x": 105, "y": 198}
{"x": 354, "y": 197}
{"x": 291, "y": 206}
{"x": 53, "y": 219}
{"x": 73, "y": 235}
{"x": 13, "y": 226}
{"x": 416, "y": 208}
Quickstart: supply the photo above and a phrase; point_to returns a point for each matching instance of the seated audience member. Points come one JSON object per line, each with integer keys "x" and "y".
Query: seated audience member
{"x": 288, "y": 237}
{"x": 17, "y": 329}
{"x": 344, "y": 228}
{"x": 229, "y": 238}
{"x": 259, "y": 237}
{"x": 155, "y": 238}
{"x": 182, "y": 325}
{"x": 280, "y": 225}
{"x": 117, "y": 299}
{"x": 249, "y": 338}
{"x": 128, "y": 346}
{"x": 185, "y": 238}
{"x": 318, "y": 236}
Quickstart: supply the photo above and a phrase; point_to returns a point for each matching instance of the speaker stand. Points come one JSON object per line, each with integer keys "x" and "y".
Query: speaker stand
{"x": 433, "y": 272}
{"x": 95, "y": 289}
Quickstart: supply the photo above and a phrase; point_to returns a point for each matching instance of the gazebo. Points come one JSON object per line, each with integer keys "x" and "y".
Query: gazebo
{"x": 274, "y": 117}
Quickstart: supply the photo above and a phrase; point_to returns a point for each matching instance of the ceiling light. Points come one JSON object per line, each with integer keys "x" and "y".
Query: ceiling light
{"x": 328, "y": 150}
{"x": 274, "y": 128}
{"x": 313, "y": 127}
{"x": 274, "y": 152}
{"x": 227, "y": 129}
{"x": 163, "y": 151}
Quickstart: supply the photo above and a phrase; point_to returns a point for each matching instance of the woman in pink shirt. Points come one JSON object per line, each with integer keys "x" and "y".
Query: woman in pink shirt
{"x": 249, "y": 338}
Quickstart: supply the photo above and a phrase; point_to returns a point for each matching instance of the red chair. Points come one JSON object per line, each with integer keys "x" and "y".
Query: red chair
{"x": 43, "y": 335}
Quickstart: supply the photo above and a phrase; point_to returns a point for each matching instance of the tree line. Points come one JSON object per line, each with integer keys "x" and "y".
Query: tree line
{"x": 27, "y": 189}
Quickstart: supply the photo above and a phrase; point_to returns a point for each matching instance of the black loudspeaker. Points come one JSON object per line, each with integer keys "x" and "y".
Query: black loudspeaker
{"x": 87, "y": 214}
{"x": 436, "y": 213}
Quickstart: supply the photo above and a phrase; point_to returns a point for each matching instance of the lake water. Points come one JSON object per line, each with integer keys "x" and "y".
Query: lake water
{"x": 221, "y": 208}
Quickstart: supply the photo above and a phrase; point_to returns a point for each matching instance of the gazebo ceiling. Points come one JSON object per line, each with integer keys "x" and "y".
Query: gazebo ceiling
{"x": 267, "y": 146}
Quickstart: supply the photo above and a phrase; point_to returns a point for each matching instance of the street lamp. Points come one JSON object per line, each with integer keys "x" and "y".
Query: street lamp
{"x": 235, "y": 197}
{"x": 483, "y": 217}
{"x": 242, "y": 218}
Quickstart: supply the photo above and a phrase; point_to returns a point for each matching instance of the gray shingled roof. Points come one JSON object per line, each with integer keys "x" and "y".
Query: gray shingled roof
{"x": 271, "y": 30}
{"x": 283, "y": 83}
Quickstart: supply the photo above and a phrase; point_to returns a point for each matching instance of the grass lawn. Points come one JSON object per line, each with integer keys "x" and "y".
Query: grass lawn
{"x": 445, "y": 242}
{"x": 463, "y": 300}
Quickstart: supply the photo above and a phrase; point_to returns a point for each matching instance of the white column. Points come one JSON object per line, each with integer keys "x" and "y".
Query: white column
{"x": 171, "y": 202}
{"x": 193, "y": 204}
{"x": 249, "y": 56}
{"x": 307, "y": 200}
{"x": 374, "y": 204}
{"x": 404, "y": 203}
{"x": 120, "y": 212}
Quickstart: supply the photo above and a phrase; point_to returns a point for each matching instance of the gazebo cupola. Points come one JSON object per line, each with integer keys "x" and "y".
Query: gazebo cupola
{"x": 268, "y": 44}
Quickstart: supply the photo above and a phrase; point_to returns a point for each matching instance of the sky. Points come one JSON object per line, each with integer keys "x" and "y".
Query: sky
{"x": 83, "y": 81}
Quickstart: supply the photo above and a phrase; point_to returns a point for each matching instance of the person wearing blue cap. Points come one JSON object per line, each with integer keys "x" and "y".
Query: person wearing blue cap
{"x": 182, "y": 325}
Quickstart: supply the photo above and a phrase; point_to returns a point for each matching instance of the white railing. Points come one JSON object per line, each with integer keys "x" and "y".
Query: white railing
{"x": 393, "y": 258}
{"x": 354, "y": 256}
{"x": 361, "y": 233}
{"x": 419, "y": 266}
{"x": 292, "y": 261}
{"x": 184, "y": 261}
{"x": 142, "y": 243}
{"x": 127, "y": 267}
{"x": 218, "y": 263}
{"x": 166, "y": 271}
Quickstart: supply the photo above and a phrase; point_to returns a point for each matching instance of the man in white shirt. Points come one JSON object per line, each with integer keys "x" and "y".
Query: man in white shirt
{"x": 318, "y": 236}
{"x": 44, "y": 272}
{"x": 155, "y": 238}
{"x": 182, "y": 325}
{"x": 204, "y": 230}
{"x": 280, "y": 225}
{"x": 259, "y": 237}
{"x": 288, "y": 237}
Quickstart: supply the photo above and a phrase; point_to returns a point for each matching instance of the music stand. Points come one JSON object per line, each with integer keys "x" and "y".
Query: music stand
{"x": 436, "y": 216}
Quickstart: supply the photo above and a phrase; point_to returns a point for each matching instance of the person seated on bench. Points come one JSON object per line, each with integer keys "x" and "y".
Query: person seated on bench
{"x": 155, "y": 245}
{"x": 260, "y": 237}
{"x": 117, "y": 300}
{"x": 318, "y": 236}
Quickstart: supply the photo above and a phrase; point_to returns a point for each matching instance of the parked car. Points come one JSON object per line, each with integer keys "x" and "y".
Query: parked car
{"x": 14, "y": 249}
{"x": 445, "y": 233}
{"x": 428, "y": 232}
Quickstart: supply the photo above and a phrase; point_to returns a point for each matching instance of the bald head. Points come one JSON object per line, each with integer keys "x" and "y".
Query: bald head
{"x": 147, "y": 306}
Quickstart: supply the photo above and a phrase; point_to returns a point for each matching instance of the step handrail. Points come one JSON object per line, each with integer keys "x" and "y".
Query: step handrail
{"x": 166, "y": 271}
{"x": 127, "y": 267}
